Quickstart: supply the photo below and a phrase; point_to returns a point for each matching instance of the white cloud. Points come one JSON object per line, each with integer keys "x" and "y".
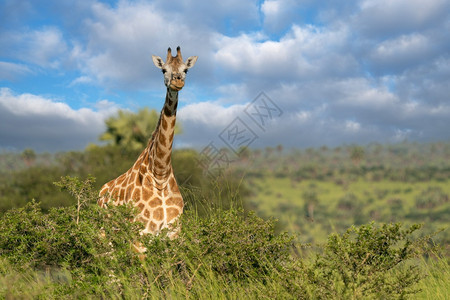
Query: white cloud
{"x": 10, "y": 71}
{"x": 360, "y": 93}
{"x": 303, "y": 116}
{"x": 303, "y": 53}
{"x": 45, "y": 47}
{"x": 402, "y": 52}
{"x": 352, "y": 126}
{"x": 121, "y": 40}
{"x": 279, "y": 14}
{"x": 213, "y": 15}
{"x": 378, "y": 18}
{"x": 81, "y": 80}
{"x": 46, "y": 125}
{"x": 210, "y": 114}
{"x": 413, "y": 44}
{"x": 369, "y": 70}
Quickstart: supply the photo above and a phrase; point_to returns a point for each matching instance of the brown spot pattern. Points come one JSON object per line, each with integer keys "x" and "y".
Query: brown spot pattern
{"x": 155, "y": 202}
{"x": 114, "y": 194}
{"x": 146, "y": 193}
{"x": 167, "y": 161}
{"x": 128, "y": 193}
{"x": 175, "y": 201}
{"x": 103, "y": 192}
{"x": 136, "y": 194}
{"x": 158, "y": 214}
{"x": 159, "y": 165}
{"x": 152, "y": 226}
{"x": 172, "y": 213}
{"x": 120, "y": 179}
{"x": 142, "y": 170}
{"x": 160, "y": 153}
{"x": 139, "y": 179}
{"x": 132, "y": 177}
{"x": 162, "y": 140}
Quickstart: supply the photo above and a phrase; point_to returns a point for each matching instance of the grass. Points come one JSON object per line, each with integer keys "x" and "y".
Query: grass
{"x": 436, "y": 284}
{"x": 382, "y": 201}
{"x": 224, "y": 254}
{"x": 32, "y": 284}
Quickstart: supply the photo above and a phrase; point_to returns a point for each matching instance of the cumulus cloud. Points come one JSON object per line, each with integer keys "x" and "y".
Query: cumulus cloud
{"x": 358, "y": 71}
{"x": 392, "y": 17}
{"x": 11, "y": 71}
{"x": 402, "y": 52}
{"x": 303, "y": 53}
{"x": 44, "y": 47}
{"x": 46, "y": 125}
{"x": 279, "y": 14}
{"x": 325, "y": 113}
{"x": 121, "y": 40}
{"x": 213, "y": 15}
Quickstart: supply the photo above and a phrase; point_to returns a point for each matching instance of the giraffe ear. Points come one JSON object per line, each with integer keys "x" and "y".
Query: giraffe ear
{"x": 190, "y": 62}
{"x": 158, "y": 61}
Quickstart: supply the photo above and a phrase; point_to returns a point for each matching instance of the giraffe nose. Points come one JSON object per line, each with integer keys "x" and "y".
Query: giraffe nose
{"x": 177, "y": 81}
{"x": 177, "y": 76}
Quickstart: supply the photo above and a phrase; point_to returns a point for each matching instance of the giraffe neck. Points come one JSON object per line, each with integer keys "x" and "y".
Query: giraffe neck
{"x": 161, "y": 148}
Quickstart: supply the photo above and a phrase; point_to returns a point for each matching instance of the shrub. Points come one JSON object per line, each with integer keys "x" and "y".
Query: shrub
{"x": 431, "y": 198}
{"x": 368, "y": 262}
{"x": 94, "y": 245}
{"x": 225, "y": 253}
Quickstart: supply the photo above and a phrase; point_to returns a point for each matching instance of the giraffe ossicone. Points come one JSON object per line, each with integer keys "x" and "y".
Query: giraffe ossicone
{"x": 150, "y": 183}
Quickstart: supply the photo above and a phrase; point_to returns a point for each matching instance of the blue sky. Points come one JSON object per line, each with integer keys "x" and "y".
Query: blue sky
{"x": 340, "y": 72}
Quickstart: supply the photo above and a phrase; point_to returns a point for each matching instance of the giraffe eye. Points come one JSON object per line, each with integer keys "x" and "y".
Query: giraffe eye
{"x": 185, "y": 71}
{"x": 164, "y": 71}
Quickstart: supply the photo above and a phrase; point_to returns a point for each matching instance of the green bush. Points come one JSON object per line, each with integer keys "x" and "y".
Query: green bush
{"x": 95, "y": 245}
{"x": 431, "y": 197}
{"x": 368, "y": 262}
{"x": 87, "y": 252}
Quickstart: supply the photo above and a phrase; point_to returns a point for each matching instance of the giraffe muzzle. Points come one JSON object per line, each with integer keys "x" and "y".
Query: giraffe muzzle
{"x": 177, "y": 83}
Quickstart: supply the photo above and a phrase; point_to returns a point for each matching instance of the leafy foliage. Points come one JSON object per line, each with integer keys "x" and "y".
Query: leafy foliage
{"x": 364, "y": 262}
{"x": 430, "y": 198}
{"x": 94, "y": 244}
{"x": 130, "y": 130}
{"x": 226, "y": 253}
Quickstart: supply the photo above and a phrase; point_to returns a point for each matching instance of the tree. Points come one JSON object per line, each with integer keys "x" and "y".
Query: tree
{"x": 311, "y": 201}
{"x": 132, "y": 130}
{"x": 280, "y": 149}
{"x": 29, "y": 157}
{"x": 357, "y": 154}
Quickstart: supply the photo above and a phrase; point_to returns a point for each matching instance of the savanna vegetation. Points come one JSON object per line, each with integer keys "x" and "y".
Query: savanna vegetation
{"x": 349, "y": 222}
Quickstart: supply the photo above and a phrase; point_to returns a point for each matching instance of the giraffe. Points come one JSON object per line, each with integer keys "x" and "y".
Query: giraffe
{"x": 150, "y": 183}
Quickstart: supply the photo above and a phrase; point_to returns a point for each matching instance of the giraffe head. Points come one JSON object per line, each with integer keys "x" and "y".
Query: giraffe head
{"x": 174, "y": 69}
